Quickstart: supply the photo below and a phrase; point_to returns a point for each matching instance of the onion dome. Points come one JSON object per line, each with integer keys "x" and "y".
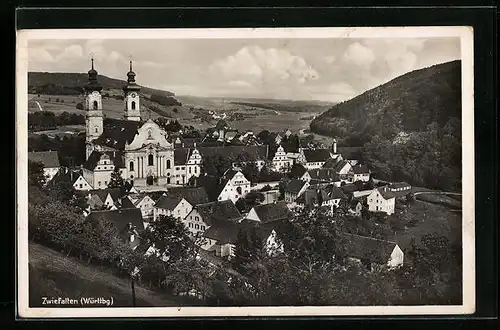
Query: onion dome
{"x": 131, "y": 85}
{"x": 93, "y": 84}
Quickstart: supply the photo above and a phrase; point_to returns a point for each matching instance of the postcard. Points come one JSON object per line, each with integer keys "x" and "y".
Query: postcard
{"x": 245, "y": 172}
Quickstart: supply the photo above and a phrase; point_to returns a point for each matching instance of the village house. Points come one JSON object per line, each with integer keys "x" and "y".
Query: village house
{"x": 259, "y": 154}
{"x": 145, "y": 203}
{"x": 175, "y": 206}
{"x": 187, "y": 163}
{"x": 231, "y": 186}
{"x": 49, "y": 160}
{"x": 359, "y": 173}
{"x": 127, "y": 221}
{"x": 355, "y": 207}
{"x": 280, "y": 161}
{"x": 74, "y": 177}
{"x": 266, "y": 213}
{"x": 315, "y": 158}
{"x": 293, "y": 189}
{"x": 220, "y": 238}
{"x": 108, "y": 198}
{"x": 97, "y": 169}
{"x": 371, "y": 252}
{"x": 322, "y": 196}
{"x": 399, "y": 189}
{"x": 193, "y": 195}
{"x": 350, "y": 154}
{"x": 321, "y": 176}
{"x": 205, "y": 215}
{"x": 381, "y": 200}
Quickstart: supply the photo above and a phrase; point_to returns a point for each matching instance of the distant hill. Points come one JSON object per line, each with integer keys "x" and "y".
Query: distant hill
{"x": 405, "y": 104}
{"x": 56, "y": 83}
{"x": 410, "y": 127}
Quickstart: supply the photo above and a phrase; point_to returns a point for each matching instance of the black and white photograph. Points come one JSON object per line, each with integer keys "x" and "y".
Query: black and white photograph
{"x": 207, "y": 172}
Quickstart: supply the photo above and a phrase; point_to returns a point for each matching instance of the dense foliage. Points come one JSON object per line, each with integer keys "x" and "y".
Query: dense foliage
{"x": 55, "y": 83}
{"x": 164, "y": 100}
{"x": 48, "y": 120}
{"x": 71, "y": 149}
{"x": 410, "y": 127}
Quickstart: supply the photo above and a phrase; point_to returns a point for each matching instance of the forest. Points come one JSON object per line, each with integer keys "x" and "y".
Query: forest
{"x": 409, "y": 128}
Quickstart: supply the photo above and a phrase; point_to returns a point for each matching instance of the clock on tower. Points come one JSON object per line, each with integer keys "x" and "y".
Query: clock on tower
{"x": 131, "y": 89}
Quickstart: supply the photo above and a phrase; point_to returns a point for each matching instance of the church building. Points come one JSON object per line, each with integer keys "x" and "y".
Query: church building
{"x": 140, "y": 149}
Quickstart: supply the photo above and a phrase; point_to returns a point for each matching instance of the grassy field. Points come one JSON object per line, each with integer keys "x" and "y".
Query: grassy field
{"x": 429, "y": 218}
{"x": 55, "y": 275}
{"x": 256, "y": 118}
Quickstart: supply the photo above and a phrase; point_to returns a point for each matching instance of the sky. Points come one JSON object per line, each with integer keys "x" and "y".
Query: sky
{"x": 330, "y": 69}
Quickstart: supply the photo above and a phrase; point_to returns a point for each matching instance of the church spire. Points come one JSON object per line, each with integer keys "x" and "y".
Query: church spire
{"x": 93, "y": 84}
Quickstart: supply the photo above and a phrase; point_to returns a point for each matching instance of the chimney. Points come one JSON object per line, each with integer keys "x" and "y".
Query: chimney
{"x": 334, "y": 146}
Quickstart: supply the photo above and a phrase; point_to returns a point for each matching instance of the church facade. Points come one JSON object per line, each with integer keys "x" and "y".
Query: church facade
{"x": 141, "y": 150}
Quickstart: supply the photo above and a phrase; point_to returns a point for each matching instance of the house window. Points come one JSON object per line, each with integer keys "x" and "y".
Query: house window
{"x": 96, "y": 129}
{"x": 189, "y": 170}
{"x": 196, "y": 226}
{"x": 96, "y": 105}
{"x": 202, "y": 227}
{"x": 98, "y": 183}
{"x": 150, "y": 160}
{"x": 131, "y": 166}
{"x": 168, "y": 163}
{"x": 133, "y": 105}
{"x": 81, "y": 186}
{"x": 197, "y": 218}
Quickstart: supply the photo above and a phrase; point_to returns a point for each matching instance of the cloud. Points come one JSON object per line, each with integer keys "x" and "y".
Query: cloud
{"x": 70, "y": 53}
{"x": 240, "y": 83}
{"x": 342, "y": 88}
{"x": 267, "y": 66}
{"x": 358, "y": 54}
{"x": 329, "y": 59}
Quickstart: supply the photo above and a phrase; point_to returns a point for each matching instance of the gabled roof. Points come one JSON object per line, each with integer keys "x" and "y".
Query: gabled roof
{"x": 294, "y": 186}
{"x": 213, "y": 185}
{"x": 217, "y": 211}
{"x": 336, "y": 165}
{"x": 103, "y": 193}
{"x": 168, "y": 202}
{"x": 273, "y": 211}
{"x": 350, "y": 153}
{"x": 324, "y": 175}
{"x": 125, "y": 203}
{"x": 360, "y": 169}
{"x": 49, "y": 159}
{"x": 194, "y": 195}
{"x": 330, "y": 192}
{"x": 116, "y": 133}
{"x": 396, "y": 185}
{"x": 298, "y": 171}
{"x": 223, "y": 231}
{"x": 120, "y": 218}
{"x": 115, "y": 156}
{"x": 258, "y": 152}
{"x": 65, "y": 174}
{"x": 181, "y": 156}
{"x": 362, "y": 247}
{"x": 386, "y": 193}
{"x": 317, "y": 155}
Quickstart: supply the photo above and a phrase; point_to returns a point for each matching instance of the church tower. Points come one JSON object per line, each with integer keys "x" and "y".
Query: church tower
{"x": 93, "y": 106}
{"x": 131, "y": 97}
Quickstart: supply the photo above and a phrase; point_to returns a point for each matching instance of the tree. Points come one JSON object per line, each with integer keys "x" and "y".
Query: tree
{"x": 116, "y": 180}
{"x": 36, "y": 176}
{"x": 171, "y": 239}
{"x": 250, "y": 171}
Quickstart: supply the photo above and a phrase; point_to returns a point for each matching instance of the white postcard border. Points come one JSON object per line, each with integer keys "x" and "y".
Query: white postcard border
{"x": 468, "y": 205}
